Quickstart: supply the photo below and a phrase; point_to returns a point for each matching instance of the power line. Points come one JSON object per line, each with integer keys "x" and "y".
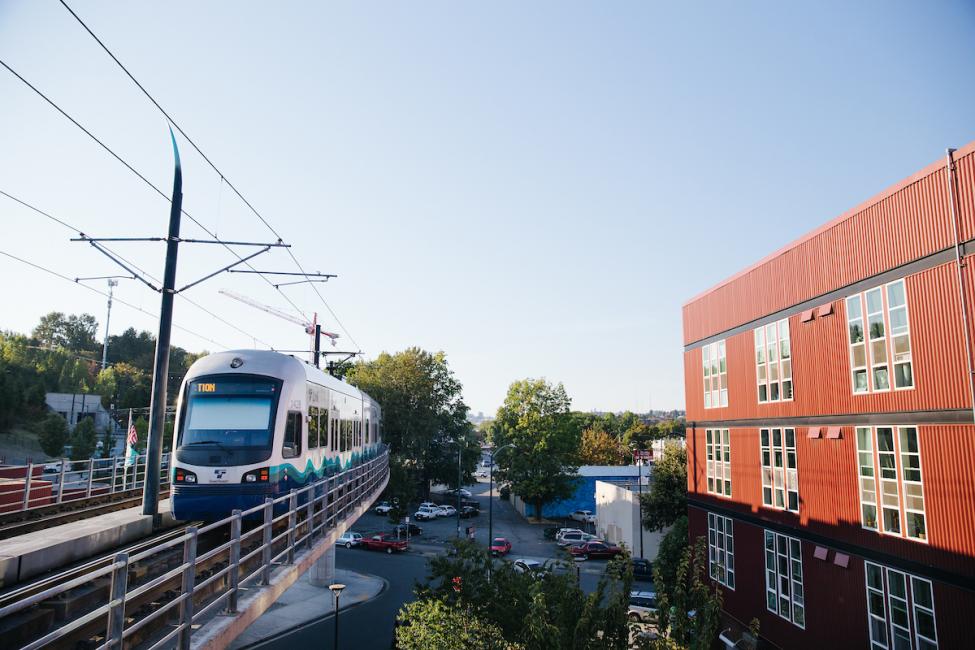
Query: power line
{"x": 141, "y": 177}
{"x": 135, "y": 266}
{"x": 223, "y": 177}
{"x": 102, "y": 293}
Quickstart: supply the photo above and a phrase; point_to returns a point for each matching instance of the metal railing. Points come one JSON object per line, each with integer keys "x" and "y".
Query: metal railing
{"x": 71, "y": 480}
{"x": 208, "y": 581}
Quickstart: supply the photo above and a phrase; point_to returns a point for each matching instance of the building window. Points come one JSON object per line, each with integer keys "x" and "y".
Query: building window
{"x": 719, "y": 461}
{"x": 880, "y": 339}
{"x": 900, "y": 610}
{"x": 780, "y": 479}
{"x": 783, "y": 578}
{"x": 773, "y": 359}
{"x": 715, "y": 375}
{"x": 891, "y": 489}
{"x": 721, "y": 550}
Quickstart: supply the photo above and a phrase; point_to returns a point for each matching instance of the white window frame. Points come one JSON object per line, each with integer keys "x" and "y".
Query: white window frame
{"x": 718, "y": 465}
{"x": 888, "y": 487}
{"x": 907, "y": 629}
{"x": 780, "y": 468}
{"x": 773, "y": 356}
{"x": 714, "y": 363}
{"x": 783, "y": 577}
{"x": 872, "y": 364}
{"x": 721, "y": 550}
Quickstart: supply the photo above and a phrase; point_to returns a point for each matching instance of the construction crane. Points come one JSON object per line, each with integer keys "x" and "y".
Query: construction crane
{"x": 314, "y": 329}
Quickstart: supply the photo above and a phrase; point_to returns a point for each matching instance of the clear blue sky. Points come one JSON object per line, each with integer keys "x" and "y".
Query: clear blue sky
{"x": 534, "y": 188}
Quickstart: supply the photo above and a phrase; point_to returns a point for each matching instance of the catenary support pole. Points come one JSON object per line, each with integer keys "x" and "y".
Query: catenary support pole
{"x": 157, "y": 407}
{"x": 318, "y": 345}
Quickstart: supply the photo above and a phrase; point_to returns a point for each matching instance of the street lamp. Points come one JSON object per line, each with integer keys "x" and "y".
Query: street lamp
{"x": 494, "y": 452}
{"x": 337, "y": 590}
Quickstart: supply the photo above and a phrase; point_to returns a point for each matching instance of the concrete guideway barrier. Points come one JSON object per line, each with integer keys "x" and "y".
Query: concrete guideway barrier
{"x": 240, "y": 578}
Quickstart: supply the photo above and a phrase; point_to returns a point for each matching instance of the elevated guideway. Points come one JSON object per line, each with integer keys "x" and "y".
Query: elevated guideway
{"x": 198, "y": 586}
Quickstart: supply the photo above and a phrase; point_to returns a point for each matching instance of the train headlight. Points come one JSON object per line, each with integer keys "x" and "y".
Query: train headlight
{"x": 184, "y": 476}
{"x": 262, "y": 475}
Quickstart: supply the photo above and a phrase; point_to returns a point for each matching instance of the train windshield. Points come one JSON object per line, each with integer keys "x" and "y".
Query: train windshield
{"x": 233, "y": 413}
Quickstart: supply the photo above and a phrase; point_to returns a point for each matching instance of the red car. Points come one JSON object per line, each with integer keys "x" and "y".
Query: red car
{"x": 384, "y": 542}
{"x": 595, "y": 549}
{"x": 500, "y": 546}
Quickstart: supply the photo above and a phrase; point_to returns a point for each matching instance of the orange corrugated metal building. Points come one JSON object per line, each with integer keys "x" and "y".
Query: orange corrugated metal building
{"x": 831, "y": 443}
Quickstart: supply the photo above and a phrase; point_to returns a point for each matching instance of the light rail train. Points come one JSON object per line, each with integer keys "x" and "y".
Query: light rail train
{"x": 252, "y": 424}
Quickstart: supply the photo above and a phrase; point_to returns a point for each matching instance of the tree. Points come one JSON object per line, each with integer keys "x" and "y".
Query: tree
{"x": 434, "y": 624}
{"x": 535, "y": 418}
{"x": 546, "y": 612}
{"x": 424, "y": 415}
{"x": 666, "y": 500}
{"x": 669, "y": 555}
{"x": 83, "y": 440}
{"x": 53, "y": 435}
{"x": 600, "y": 448}
{"x": 56, "y": 330}
{"x": 690, "y": 592}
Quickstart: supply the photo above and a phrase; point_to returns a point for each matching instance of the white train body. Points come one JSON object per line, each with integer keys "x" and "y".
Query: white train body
{"x": 252, "y": 424}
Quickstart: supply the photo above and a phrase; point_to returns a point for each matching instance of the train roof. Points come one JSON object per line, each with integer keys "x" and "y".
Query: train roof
{"x": 268, "y": 362}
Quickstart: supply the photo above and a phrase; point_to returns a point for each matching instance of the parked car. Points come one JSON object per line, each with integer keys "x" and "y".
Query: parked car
{"x": 426, "y": 513}
{"x": 349, "y": 539}
{"x": 384, "y": 542}
{"x": 575, "y": 537}
{"x": 533, "y": 568}
{"x": 466, "y": 494}
{"x": 53, "y": 468}
{"x": 481, "y": 473}
{"x": 562, "y": 531}
{"x": 383, "y": 508}
{"x": 467, "y": 512}
{"x": 500, "y": 546}
{"x": 585, "y": 516}
{"x": 428, "y": 504}
{"x": 447, "y": 511}
{"x": 643, "y": 607}
{"x": 595, "y": 550}
{"x": 642, "y": 569}
{"x": 413, "y": 530}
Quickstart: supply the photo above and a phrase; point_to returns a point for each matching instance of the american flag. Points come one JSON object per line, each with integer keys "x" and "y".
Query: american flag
{"x": 133, "y": 434}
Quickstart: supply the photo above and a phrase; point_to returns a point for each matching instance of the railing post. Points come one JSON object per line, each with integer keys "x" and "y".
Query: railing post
{"x": 266, "y": 551}
{"x": 64, "y": 467}
{"x": 27, "y": 479}
{"x": 292, "y": 524}
{"x": 116, "y": 605}
{"x": 114, "y": 461}
{"x": 91, "y": 472}
{"x": 310, "y": 516}
{"x": 235, "y": 525}
{"x": 189, "y": 583}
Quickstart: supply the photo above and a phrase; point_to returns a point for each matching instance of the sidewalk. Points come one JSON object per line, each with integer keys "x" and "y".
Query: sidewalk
{"x": 303, "y": 603}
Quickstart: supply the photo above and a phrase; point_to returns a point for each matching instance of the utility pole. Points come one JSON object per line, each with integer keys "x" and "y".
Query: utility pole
{"x": 160, "y": 373}
{"x": 108, "y": 317}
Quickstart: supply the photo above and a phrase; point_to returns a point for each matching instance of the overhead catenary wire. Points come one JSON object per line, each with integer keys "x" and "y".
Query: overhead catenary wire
{"x": 223, "y": 177}
{"x": 136, "y": 267}
{"x": 141, "y": 177}
{"x": 102, "y": 293}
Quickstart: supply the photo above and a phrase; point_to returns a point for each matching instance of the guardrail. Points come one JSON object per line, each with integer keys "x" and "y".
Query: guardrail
{"x": 46, "y": 484}
{"x": 210, "y": 582}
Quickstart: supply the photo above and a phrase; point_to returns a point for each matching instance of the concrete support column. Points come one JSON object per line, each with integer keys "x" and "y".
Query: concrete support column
{"x": 322, "y": 573}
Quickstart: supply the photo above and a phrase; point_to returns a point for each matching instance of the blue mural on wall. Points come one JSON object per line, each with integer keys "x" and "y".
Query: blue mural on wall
{"x": 584, "y": 497}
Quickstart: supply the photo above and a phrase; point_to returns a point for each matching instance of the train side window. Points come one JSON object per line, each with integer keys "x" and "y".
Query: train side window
{"x": 291, "y": 446}
{"x": 313, "y": 414}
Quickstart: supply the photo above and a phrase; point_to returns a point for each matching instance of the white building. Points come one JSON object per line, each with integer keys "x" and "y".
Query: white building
{"x": 618, "y": 518}
{"x": 74, "y": 407}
